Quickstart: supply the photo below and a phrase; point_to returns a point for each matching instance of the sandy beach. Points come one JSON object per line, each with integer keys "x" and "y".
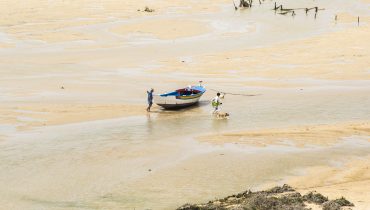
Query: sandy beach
{"x": 75, "y": 134}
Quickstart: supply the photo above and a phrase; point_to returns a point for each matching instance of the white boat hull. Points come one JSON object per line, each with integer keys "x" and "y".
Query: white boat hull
{"x": 173, "y": 102}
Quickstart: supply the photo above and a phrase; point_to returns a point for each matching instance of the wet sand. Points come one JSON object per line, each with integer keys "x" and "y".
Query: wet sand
{"x": 91, "y": 144}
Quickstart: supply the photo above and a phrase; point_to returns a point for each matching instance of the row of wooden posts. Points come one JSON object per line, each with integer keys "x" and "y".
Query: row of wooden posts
{"x": 284, "y": 11}
{"x": 249, "y": 3}
{"x": 358, "y": 19}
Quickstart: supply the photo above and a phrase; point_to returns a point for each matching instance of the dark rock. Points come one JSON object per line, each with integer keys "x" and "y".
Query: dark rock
{"x": 147, "y": 9}
{"x": 291, "y": 198}
{"x": 313, "y": 197}
{"x": 189, "y": 207}
{"x": 343, "y": 202}
{"x": 330, "y": 205}
{"x": 278, "y": 189}
{"x": 266, "y": 202}
{"x": 277, "y": 198}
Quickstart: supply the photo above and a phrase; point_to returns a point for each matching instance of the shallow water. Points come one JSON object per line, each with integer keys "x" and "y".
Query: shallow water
{"x": 116, "y": 166}
{"x": 105, "y": 164}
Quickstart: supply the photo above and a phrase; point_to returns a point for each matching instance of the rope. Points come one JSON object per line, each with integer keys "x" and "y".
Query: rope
{"x": 235, "y": 94}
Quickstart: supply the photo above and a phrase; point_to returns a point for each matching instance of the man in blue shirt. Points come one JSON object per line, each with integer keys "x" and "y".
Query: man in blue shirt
{"x": 150, "y": 99}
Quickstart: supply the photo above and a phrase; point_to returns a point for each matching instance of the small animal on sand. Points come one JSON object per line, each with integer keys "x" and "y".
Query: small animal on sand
{"x": 222, "y": 115}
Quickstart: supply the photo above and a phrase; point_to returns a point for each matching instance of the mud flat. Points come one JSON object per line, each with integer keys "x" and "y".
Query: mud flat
{"x": 74, "y": 133}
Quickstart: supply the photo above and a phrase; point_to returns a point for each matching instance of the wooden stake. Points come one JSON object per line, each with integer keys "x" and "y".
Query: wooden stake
{"x": 358, "y": 21}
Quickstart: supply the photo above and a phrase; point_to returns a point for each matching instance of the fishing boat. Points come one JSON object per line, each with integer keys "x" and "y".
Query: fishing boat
{"x": 180, "y": 98}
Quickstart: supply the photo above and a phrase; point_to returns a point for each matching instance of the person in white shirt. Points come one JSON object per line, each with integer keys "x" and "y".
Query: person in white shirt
{"x": 216, "y": 102}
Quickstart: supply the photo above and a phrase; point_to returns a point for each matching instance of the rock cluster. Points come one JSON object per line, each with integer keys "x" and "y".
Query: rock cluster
{"x": 277, "y": 198}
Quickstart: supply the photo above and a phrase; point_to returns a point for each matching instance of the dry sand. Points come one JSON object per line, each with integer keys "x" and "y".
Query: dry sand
{"x": 350, "y": 180}
{"x": 164, "y": 29}
{"x": 28, "y": 116}
{"x": 343, "y": 55}
{"x": 322, "y": 135}
{"x": 55, "y": 21}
